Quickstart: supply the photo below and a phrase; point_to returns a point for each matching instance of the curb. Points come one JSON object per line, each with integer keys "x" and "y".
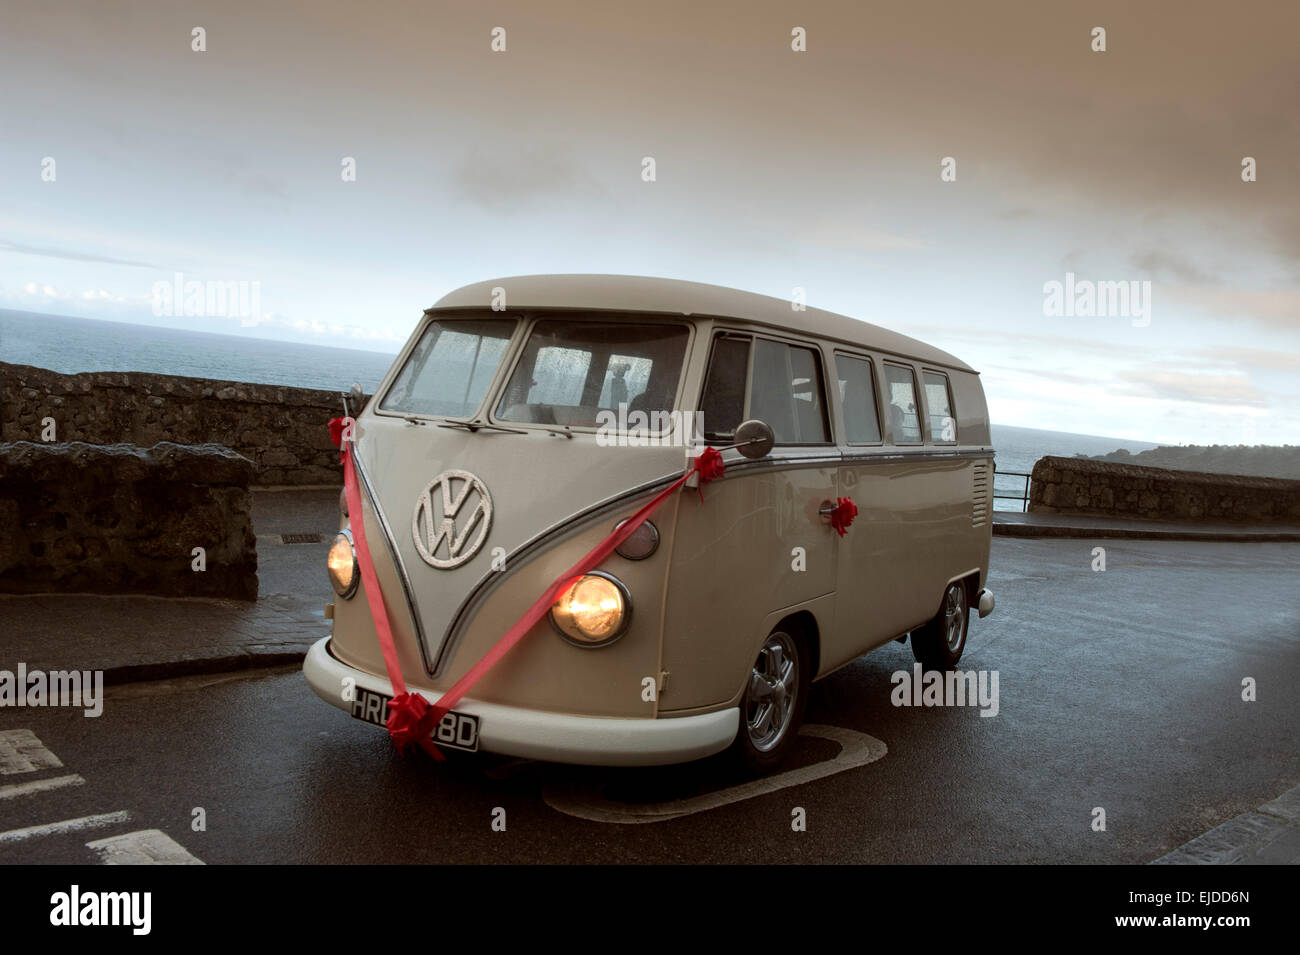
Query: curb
{"x": 1124, "y": 533}
{"x": 205, "y": 666}
{"x": 1270, "y": 835}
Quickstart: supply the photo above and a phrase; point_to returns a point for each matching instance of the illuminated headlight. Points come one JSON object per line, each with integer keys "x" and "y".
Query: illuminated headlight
{"x": 342, "y": 563}
{"x": 593, "y": 611}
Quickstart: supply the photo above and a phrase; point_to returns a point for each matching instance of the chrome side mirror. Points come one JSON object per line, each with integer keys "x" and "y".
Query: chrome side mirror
{"x": 754, "y": 439}
{"x": 352, "y": 400}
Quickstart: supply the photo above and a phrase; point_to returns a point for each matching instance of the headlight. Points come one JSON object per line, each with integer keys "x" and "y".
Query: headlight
{"x": 342, "y": 563}
{"x": 593, "y": 611}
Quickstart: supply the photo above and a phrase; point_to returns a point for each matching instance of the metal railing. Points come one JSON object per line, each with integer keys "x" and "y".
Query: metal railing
{"x": 1021, "y": 496}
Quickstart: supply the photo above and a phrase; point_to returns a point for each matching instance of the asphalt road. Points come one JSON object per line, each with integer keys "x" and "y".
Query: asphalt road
{"x": 1119, "y": 690}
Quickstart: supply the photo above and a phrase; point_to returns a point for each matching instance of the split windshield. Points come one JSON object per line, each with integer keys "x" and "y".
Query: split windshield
{"x": 450, "y": 368}
{"x": 571, "y": 371}
{"x": 568, "y": 373}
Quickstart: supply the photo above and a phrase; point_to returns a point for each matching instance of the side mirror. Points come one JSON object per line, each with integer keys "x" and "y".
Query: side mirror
{"x": 352, "y": 400}
{"x": 754, "y": 439}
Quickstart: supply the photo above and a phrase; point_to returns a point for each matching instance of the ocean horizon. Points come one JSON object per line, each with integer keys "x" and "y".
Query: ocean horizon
{"x": 71, "y": 345}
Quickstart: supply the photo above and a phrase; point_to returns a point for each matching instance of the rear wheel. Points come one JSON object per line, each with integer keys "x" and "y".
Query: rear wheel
{"x": 938, "y": 645}
{"x": 774, "y": 702}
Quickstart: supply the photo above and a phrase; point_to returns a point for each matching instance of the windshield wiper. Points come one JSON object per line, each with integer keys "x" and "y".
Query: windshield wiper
{"x": 474, "y": 426}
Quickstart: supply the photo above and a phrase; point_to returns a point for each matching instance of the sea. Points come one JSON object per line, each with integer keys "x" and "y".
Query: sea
{"x": 70, "y": 345}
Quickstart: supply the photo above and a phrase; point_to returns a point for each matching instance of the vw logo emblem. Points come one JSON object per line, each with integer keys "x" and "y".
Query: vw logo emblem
{"x": 455, "y": 510}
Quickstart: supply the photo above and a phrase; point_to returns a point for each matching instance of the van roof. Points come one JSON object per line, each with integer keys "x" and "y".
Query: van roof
{"x": 634, "y": 293}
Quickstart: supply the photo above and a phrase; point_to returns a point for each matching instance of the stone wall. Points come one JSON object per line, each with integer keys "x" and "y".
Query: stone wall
{"x": 1105, "y": 489}
{"x": 113, "y": 519}
{"x": 283, "y": 431}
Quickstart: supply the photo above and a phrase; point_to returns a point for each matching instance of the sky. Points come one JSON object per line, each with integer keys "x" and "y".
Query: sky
{"x": 774, "y": 169}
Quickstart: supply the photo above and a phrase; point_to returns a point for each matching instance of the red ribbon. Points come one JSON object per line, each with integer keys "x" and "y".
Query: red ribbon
{"x": 337, "y": 426}
{"x": 842, "y": 514}
{"x": 410, "y": 717}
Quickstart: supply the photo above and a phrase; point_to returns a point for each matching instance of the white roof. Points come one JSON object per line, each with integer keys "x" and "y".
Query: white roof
{"x": 633, "y": 293}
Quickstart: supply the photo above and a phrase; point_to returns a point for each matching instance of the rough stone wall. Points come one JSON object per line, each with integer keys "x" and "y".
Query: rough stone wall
{"x": 112, "y": 519}
{"x": 1105, "y": 489}
{"x": 283, "y": 431}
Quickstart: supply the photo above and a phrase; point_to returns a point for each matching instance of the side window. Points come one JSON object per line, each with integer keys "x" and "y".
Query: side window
{"x": 858, "y": 399}
{"x": 788, "y": 393}
{"x": 904, "y": 419}
{"x": 938, "y": 403}
{"x": 722, "y": 406}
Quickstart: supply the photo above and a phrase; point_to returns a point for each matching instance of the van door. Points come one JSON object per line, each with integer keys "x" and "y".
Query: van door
{"x": 757, "y": 544}
{"x": 882, "y": 587}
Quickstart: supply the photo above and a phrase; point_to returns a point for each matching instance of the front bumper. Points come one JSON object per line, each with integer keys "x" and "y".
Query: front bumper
{"x": 986, "y": 603}
{"x": 558, "y": 737}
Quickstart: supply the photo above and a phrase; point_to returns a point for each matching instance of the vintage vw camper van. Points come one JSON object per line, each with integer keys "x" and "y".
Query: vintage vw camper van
{"x": 527, "y": 418}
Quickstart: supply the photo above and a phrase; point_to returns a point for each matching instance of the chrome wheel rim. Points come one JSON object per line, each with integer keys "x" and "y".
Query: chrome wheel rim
{"x": 773, "y": 686}
{"x": 954, "y": 616}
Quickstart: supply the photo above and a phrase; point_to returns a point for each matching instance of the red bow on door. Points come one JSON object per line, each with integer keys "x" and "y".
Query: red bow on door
{"x": 842, "y": 514}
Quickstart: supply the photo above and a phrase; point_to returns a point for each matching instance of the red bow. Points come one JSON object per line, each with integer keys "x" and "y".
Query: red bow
{"x": 842, "y": 514}
{"x": 710, "y": 465}
{"x": 404, "y": 723}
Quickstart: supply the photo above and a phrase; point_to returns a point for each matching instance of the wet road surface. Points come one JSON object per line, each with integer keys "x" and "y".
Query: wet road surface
{"x": 1119, "y": 690}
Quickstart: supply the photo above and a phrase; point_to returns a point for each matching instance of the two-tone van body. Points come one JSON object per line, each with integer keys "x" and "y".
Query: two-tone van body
{"x": 527, "y": 417}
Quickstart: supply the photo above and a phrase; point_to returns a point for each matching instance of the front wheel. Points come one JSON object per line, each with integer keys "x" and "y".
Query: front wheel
{"x": 938, "y": 645}
{"x": 775, "y": 697}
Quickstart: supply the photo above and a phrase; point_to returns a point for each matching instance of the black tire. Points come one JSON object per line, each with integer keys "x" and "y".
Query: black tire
{"x": 760, "y": 747}
{"x": 938, "y": 645}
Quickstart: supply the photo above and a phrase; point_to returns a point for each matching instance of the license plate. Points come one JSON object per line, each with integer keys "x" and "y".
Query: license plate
{"x": 454, "y": 730}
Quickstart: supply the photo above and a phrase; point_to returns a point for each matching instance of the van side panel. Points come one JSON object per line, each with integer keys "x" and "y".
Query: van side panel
{"x": 734, "y": 563}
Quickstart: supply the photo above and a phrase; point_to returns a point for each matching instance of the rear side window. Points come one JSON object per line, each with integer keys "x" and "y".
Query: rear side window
{"x": 858, "y": 399}
{"x": 938, "y": 403}
{"x": 787, "y": 393}
{"x": 904, "y": 419}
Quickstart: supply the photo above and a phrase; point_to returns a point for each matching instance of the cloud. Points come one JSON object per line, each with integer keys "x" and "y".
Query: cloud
{"x": 1260, "y": 358}
{"x": 20, "y": 248}
{"x": 505, "y": 181}
{"x": 1272, "y": 309}
{"x": 1235, "y": 390}
{"x": 1162, "y": 265}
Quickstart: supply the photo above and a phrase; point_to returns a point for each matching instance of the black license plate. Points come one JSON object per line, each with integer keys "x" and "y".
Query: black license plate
{"x": 454, "y": 730}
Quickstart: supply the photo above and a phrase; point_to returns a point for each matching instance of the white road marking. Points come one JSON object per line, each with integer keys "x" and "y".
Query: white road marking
{"x": 146, "y": 847}
{"x": 14, "y": 790}
{"x": 64, "y": 827}
{"x": 856, "y": 749}
{"x": 22, "y": 752}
